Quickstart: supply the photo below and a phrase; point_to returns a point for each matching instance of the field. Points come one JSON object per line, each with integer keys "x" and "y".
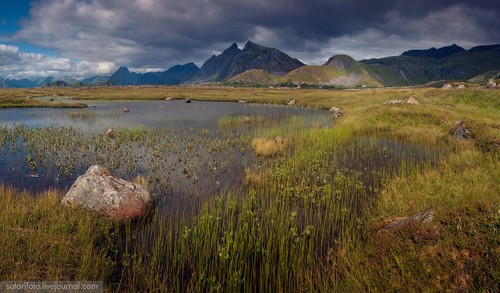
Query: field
{"x": 307, "y": 218}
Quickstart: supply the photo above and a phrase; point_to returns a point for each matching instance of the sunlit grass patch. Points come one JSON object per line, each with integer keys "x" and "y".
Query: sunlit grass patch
{"x": 267, "y": 147}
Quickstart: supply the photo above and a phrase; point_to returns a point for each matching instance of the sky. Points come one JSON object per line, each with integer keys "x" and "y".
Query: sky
{"x": 82, "y": 38}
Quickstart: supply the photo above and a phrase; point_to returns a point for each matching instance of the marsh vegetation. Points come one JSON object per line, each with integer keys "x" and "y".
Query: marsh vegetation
{"x": 237, "y": 211}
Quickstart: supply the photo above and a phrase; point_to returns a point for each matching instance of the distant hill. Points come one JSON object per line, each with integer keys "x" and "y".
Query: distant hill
{"x": 173, "y": 76}
{"x": 485, "y": 77}
{"x": 98, "y": 81}
{"x": 256, "y": 77}
{"x": 234, "y": 61}
{"x": 62, "y": 83}
{"x": 254, "y": 56}
{"x": 435, "y": 53}
{"x": 411, "y": 70}
{"x": 177, "y": 74}
{"x": 339, "y": 70}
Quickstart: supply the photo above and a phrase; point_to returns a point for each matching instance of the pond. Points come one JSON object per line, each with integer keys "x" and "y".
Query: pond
{"x": 186, "y": 151}
{"x": 99, "y": 116}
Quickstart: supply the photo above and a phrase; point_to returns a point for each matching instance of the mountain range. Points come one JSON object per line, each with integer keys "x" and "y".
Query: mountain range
{"x": 259, "y": 65}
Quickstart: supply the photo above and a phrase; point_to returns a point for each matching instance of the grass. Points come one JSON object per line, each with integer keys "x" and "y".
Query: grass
{"x": 305, "y": 220}
{"x": 267, "y": 147}
{"x": 40, "y": 240}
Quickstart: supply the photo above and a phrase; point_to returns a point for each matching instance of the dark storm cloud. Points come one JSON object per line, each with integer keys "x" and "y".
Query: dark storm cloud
{"x": 160, "y": 33}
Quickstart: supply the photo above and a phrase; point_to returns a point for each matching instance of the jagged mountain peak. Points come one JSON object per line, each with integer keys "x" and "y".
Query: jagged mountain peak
{"x": 122, "y": 69}
{"x": 251, "y": 45}
{"x": 233, "y": 46}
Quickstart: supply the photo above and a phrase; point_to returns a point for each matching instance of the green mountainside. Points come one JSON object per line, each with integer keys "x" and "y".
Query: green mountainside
{"x": 414, "y": 70}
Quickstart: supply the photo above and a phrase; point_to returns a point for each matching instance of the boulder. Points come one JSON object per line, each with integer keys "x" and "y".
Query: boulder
{"x": 425, "y": 217}
{"x": 292, "y": 102}
{"x": 461, "y": 86}
{"x": 412, "y": 101}
{"x": 168, "y": 99}
{"x": 97, "y": 190}
{"x": 491, "y": 84}
{"x": 126, "y": 110}
{"x": 393, "y": 102}
{"x": 110, "y": 133}
{"x": 461, "y": 132}
{"x": 337, "y": 113}
{"x": 188, "y": 101}
{"x": 447, "y": 86}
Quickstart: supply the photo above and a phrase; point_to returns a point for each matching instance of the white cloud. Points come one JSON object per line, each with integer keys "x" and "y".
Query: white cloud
{"x": 15, "y": 64}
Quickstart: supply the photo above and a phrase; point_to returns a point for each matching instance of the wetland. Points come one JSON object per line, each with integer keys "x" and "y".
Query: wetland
{"x": 303, "y": 216}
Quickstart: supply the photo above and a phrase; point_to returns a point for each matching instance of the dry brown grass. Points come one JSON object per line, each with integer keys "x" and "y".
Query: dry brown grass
{"x": 267, "y": 147}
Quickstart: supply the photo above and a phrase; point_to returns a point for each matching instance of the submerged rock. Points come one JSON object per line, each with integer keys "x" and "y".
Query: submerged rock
{"x": 97, "y": 190}
{"x": 425, "y": 217}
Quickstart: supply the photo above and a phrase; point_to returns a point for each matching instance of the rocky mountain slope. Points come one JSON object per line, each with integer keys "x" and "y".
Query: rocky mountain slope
{"x": 413, "y": 70}
{"x": 339, "y": 70}
{"x": 234, "y": 61}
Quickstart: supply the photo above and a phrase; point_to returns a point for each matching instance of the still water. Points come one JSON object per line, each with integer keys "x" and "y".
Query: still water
{"x": 182, "y": 149}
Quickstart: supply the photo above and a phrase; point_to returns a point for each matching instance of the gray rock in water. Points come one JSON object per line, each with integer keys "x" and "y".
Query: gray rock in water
{"x": 425, "y": 217}
{"x": 462, "y": 132}
{"x": 337, "y": 113}
{"x": 97, "y": 190}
